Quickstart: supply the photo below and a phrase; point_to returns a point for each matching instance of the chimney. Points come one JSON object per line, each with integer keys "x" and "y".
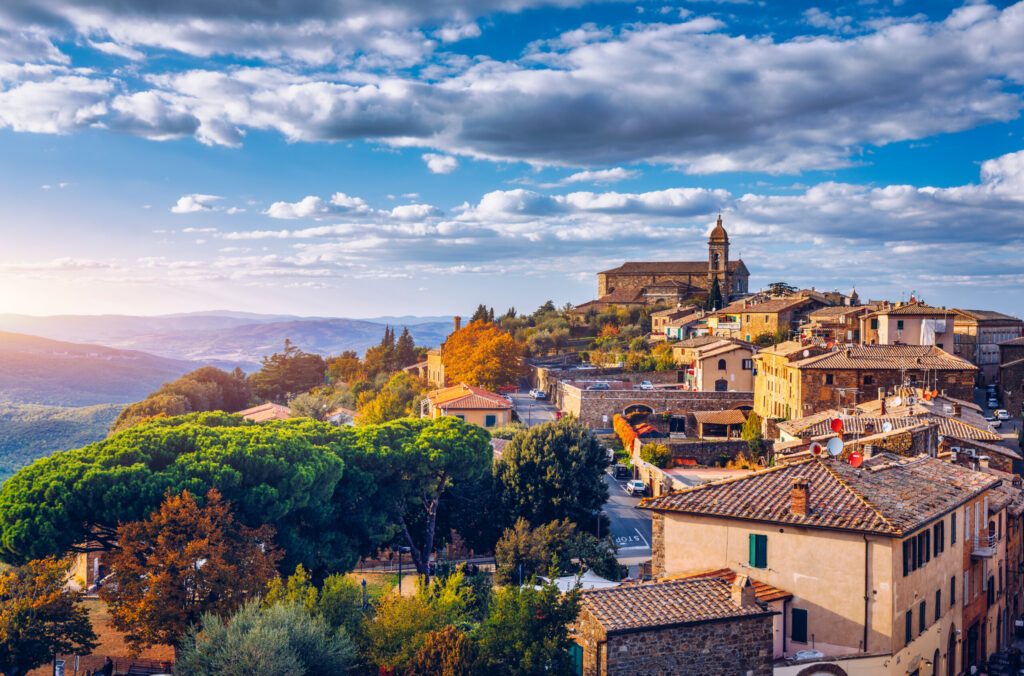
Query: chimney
{"x": 743, "y": 595}
{"x": 983, "y": 461}
{"x": 956, "y": 409}
{"x": 800, "y": 496}
{"x": 458, "y": 322}
{"x": 881, "y": 400}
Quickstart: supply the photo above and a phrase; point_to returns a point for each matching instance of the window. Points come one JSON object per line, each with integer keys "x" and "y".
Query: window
{"x": 908, "y": 627}
{"x": 952, "y": 528}
{"x": 899, "y": 324}
{"x": 967, "y": 587}
{"x": 490, "y": 421}
{"x": 721, "y": 365}
{"x": 938, "y": 604}
{"x": 748, "y": 364}
{"x": 952, "y": 591}
{"x": 799, "y": 625}
{"x": 874, "y": 323}
{"x": 758, "y": 551}
{"x": 991, "y": 595}
{"x": 939, "y": 538}
{"x": 922, "y": 622}
{"x": 967, "y": 524}
{"x": 869, "y": 380}
{"x": 460, "y": 416}
{"x": 828, "y": 378}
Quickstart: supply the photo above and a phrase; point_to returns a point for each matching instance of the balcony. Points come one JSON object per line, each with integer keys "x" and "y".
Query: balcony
{"x": 985, "y": 547}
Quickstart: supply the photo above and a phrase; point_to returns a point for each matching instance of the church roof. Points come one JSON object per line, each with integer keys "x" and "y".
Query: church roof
{"x": 719, "y": 234}
{"x": 668, "y": 268}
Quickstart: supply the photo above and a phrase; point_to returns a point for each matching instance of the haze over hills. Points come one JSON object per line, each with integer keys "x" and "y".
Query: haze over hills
{"x": 225, "y": 338}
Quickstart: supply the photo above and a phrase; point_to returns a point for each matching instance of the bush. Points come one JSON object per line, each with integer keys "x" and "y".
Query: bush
{"x": 658, "y": 455}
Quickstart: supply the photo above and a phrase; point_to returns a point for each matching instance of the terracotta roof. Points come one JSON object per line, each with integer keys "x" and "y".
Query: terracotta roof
{"x": 983, "y": 446}
{"x": 718, "y": 233}
{"x": 887, "y": 357}
{"x": 987, "y": 316}
{"x": 699, "y": 341}
{"x": 666, "y": 268}
{"x": 786, "y": 348}
{"x": 623, "y": 295}
{"x": 765, "y": 307}
{"x": 837, "y": 311}
{"x": 764, "y": 592}
{"x": 1013, "y": 341}
{"x": 264, "y": 412}
{"x": 887, "y": 495}
{"x": 727, "y": 417}
{"x": 914, "y": 310}
{"x": 819, "y": 424}
{"x": 466, "y": 397}
{"x": 665, "y": 604}
{"x": 675, "y": 312}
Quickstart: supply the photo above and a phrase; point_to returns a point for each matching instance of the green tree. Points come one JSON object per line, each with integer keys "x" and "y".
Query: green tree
{"x": 526, "y": 632}
{"x": 780, "y": 289}
{"x": 765, "y": 339}
{"x": 400, "y": 397}
{"x": 282, "y": 639}
{"x": 287, "y": 373}
{"x": 338, "y": 600}
{"x": 440, "y": 470}
{"x": 345, "y": 368}
{"x": 398, "y": 629}
{"x": 40, "y": 616}
{"x": 658, "y": 455}
{"x": 445, "y": 652}
{"x": 316, "y": 404}
{"x": 405, "y": 350}
{"x": 205, "y": 389}
{"x": 323, "y": 488}
{"x": 714, "y": 296}
{"x": 751, "y": 432}
{"x": 550, "y": 472}
{"x": 524, "y": 552}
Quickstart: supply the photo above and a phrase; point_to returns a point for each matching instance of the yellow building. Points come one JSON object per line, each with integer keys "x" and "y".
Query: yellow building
{"x": 776, "y": 385}
{"x": 749, "y": 318}
{"x": 715, "y": 364}
{"x": 435, "y": 364}
{"x": 874, "y": 556}
{"x": 473, "y": 404}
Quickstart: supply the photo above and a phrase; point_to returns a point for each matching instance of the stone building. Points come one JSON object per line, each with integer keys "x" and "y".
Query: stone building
{"x": 671, "y": 282}
{"x": 799, "y": 382}
{"x": 1011, "y": 375}
{"x": 900, "y": 535}
{"x": 705, "y": 626}
{"x": 912, "y": 323}
{"x": 977, "y": 335}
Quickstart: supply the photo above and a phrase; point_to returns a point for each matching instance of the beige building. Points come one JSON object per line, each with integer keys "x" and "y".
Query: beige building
{"x": 874, "y": 556}
{"x": 473, "y": 404}
{"x": 912, "y": 323}
{"x": 715, "y": 364}
{"x": 977, "y": 334}
{"x": 435, "y": 364}
{"x": 265, "y": 412}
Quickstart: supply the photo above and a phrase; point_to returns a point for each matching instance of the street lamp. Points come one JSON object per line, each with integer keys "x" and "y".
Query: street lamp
{"x": 401, "y": 550}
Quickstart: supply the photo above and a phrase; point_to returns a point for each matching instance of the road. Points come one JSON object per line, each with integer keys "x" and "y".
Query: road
{"x": 531, "y": 411}
{"x": 631, "y": 527}
{"x": 1009, "y": 428}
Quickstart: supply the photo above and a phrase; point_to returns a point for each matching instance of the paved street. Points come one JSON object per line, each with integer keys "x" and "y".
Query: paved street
{"x": 531, "y": 411}
{"x": 631, "y": 527}
{"x": 1010, "y": 428}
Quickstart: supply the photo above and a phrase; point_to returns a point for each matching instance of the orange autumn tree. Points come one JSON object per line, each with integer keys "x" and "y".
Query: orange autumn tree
{"x": 181, "y": 562}
{"x": 483, "y": 355}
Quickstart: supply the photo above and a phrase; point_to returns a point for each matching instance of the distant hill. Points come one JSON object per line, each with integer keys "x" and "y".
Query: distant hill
{"x": 43, "y": 371}
{"x": 226, "y": 339}
{"x": 31, "y": 431}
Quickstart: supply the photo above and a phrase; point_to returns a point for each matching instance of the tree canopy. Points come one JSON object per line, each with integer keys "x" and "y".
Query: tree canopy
{"x": 482, "y": 354}
{"x": 183, "y": 561}
{"x": 40, "y": 616}
{"x": 550, "y": 472}
{"x": 316, "y": 484}
{"x": 288, "y": 373}
{"x": 205, "y": 389}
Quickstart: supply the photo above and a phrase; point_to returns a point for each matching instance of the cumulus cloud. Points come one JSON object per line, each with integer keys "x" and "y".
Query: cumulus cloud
{"x": 440, "y": 164}
{"x": 194, "y": 203}
{"x": 613, "y": 175}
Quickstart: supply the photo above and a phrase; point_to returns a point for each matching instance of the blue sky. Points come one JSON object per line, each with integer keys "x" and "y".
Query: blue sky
{"x": 359, "y": 158}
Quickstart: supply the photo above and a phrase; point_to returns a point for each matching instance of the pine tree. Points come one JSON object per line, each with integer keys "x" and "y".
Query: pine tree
{"x": 480, "y": 315}
{"x": 405, "y": 349}
{"x": 714, "y": 296}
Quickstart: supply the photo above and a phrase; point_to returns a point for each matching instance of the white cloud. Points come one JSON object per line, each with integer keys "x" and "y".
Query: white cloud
{"x": 308, "y": 206}
{"x": 613, "y": 175}
{"x": 440, "y": 164}
{"x": 194, "y": 203}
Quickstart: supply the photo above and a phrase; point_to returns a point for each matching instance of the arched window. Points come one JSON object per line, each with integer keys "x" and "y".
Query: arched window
{"x": 716, "y": 259}
{"x": 721, "y": 385}
{"x": 721, "y": 365}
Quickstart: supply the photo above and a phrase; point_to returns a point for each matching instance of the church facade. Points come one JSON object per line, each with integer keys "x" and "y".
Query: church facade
{"x": 673, "y": 282}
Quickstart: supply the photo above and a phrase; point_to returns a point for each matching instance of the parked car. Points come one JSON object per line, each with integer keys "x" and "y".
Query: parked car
{"x": 538, "y": 394}
{"x": 599, "y": 386}
{"x": 636, "y": 487}
{"x": 992, "y": 403}
{"x": 646, "y": 385}
{"x": 1002, "y": 414}
{"x": 622, "y": 471}
{"x": 996, "y": 424}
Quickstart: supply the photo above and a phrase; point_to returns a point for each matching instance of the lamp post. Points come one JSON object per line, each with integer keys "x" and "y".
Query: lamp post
{"x": 401, "y": 550}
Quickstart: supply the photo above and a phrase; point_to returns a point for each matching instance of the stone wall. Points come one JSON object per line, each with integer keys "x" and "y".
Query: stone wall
{"x": 732, "y": 647}
{"x": 657, "y": 544}
{"x": 590, "y": 406}
{"x": 705, "y": 452}
{"x": 1011, "y": 388}
{"x": 816, "y": 395}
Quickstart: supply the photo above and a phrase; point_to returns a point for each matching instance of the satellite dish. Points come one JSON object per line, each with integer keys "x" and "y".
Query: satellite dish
{"x": 887, "y": 426}
{"x": 911, "y": 400}
{"x": 836, "y": 424}
{"x": 835, "y": 446}
{"x": 896, "y": 401}
{"x": 856, "y": 459}
{"x": 807, "y": 353}
{"x": 816, "y": 449}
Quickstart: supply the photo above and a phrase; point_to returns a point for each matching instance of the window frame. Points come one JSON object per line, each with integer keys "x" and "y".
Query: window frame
{"x": 758, "y": 551}
{"x": 797, "y": 624}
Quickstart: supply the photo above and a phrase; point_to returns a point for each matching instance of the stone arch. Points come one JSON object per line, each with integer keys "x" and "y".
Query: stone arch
{"x": 822, "y": 670}
{"x": 637, "y": 407}
{"x": 951, "y": 660}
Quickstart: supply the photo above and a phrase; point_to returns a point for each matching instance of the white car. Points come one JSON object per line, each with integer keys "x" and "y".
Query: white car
{"x": 992, "y": 403}
{"x": 538, "y": 394}
{"x": 996, "y": 424}
{"x": 636, "y": 486}
{"x": 1002, "y": 414}
{"x": 646, "y": 385}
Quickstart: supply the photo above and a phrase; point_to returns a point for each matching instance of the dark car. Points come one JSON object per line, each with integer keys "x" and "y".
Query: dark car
{"x": 622, "y": 471}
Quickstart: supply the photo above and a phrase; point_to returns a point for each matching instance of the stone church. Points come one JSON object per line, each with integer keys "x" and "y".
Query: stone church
{"x": 672, "y": 282}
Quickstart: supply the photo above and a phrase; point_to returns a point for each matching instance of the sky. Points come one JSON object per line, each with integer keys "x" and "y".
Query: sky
{"x": 369, "y": 157}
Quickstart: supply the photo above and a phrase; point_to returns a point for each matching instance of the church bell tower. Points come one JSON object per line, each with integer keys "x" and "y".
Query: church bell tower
{"x": 718, "y": 259}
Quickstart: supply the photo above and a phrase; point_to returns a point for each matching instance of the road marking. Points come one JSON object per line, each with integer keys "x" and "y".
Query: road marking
{"x": 622, "y": 539}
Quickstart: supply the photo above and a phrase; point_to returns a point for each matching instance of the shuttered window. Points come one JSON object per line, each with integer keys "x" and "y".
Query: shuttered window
{"x": 758, "y": 551}
{"x": 799, "y": 625}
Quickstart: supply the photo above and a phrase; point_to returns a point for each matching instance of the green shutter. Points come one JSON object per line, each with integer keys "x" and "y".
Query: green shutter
{"x": 799, "y": 633}
{"x": 752, "y": 542}
{"x": 758, "y": 551}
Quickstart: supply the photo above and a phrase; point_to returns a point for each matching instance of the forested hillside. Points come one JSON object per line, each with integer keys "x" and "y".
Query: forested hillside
{"x": 31, "y": 431}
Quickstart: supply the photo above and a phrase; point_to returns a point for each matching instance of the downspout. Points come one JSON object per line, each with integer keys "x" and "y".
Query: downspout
{"x": 785, "y": 626}
{"x": 867, "y": 594}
